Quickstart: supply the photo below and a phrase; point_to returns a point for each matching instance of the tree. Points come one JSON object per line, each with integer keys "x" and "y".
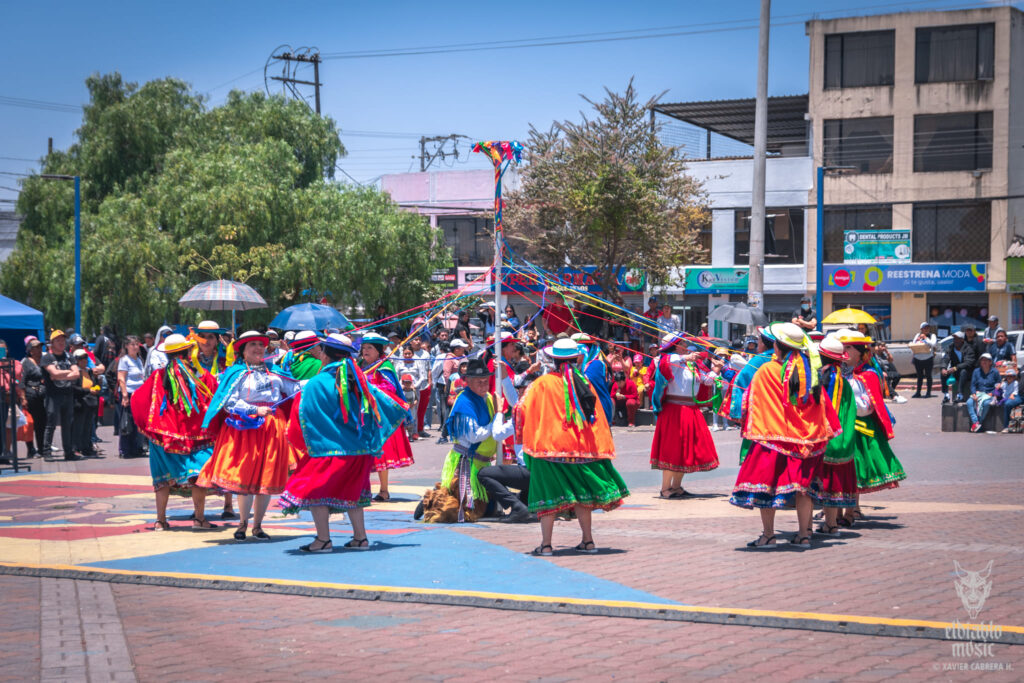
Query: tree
{"x": 606, "y": 192}
{"x": 175, "y": 194}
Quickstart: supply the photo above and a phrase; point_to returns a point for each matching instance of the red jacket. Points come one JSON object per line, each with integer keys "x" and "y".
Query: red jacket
{"x": 627, "y": 388}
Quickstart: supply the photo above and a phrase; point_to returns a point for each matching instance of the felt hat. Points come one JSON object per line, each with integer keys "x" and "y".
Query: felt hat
{"x": 175, "y": 343}
{"x": 374, "y": 338}
{"x": 831, "y": 347}
{"x": 766, "y": 332}
{"x": 209, "y": 327}
{"x": 506, "y": 336}
{"x": 305, "y": 339}
{"x": 816, "y": 335}
{"x": 789, "y": 335}
{"x": 563, "y": 349}
{"x": 848, "y": 336}
{"x": 582, "y": 338}
{"x": 477, "y": 368}
{"x": 670, "y": 340}
{"x": 340, "y": 342}
{"x": 251, "y": 336}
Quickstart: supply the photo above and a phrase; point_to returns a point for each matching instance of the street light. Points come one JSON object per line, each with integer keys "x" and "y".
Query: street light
{"x": 78, "y": 243}
{"x": 820, "y": 255}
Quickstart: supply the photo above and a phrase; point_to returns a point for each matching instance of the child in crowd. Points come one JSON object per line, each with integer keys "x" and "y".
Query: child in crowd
{"x": 411, "y": 397}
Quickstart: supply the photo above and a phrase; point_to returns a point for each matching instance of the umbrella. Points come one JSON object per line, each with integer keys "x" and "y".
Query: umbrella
{"x": 314, "y": 317}
{"x": 848, "y": 316}
{"x": 222, "y": 295}
{"x": 739, "y": 314}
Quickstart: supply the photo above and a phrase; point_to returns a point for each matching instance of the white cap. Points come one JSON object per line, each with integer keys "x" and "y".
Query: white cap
{"x": 289, "y": 335}
{"x": 458, "y": 343}
{"x": 924, "y": 325}
{"x": 81, "y": 353}
{"x": 986, "y": 355}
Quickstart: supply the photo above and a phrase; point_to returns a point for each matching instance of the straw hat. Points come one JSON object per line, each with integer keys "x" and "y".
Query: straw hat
{"x": 176, "y": 342}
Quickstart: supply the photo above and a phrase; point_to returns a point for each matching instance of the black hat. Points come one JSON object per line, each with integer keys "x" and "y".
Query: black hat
{"x": 477, "y": 368}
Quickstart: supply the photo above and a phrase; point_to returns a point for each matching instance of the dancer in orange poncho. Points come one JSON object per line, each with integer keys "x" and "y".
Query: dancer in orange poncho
{"x": 568, "y": 448}
{"x": 790, "y": 425}
{"x": 169, "y": 409}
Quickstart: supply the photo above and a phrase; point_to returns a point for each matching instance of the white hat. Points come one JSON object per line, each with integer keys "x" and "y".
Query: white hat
{"x": 563, "y": 349}
{"x": 458, "y": 343}
{"x": 737, "y": 362}
{"x": 959, "y": 334}
{"x": 1010, "y": 370}
{"x": 789, "y": 335}
{"x": 80, "y": 353}
{"x": 289, "y": 335}
{"x": 487, "y": 304}
{"x": 985, "y": 356}
{"x": 924, "y": 325}
{"x": 832, "y": 347}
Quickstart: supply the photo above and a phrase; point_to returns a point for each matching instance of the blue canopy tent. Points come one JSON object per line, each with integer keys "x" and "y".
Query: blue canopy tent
{"x": 17, "y": 321}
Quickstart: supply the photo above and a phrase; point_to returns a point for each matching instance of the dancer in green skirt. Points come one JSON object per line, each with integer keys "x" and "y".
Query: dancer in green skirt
{"x": 569, "y": 449}
{"x": 877, "y": 466}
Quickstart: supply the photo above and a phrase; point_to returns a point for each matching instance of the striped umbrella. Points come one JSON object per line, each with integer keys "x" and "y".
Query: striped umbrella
{"x": 222, "y": 295}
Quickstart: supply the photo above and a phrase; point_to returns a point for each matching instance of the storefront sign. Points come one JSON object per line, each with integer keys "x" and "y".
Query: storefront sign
{"x": 716, "y": 280}
{"x": 917, "y": 277}
{"x": 1015, "y": 274}
{"x": 445, "y": 276}
{"x": 876, "y": 246}
{"x": 628, "y": 281}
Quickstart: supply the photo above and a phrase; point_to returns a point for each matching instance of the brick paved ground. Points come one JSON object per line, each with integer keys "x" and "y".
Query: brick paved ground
{"x": 961, "y": 502}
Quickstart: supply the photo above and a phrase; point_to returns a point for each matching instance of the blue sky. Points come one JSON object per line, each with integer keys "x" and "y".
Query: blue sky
{"x": 50, "y": 48}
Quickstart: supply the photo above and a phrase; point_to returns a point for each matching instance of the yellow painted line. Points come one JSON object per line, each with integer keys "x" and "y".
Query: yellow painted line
{"x": 511, "y": 597}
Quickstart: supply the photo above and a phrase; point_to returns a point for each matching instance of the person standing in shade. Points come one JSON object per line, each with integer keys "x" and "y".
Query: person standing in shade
{"x": 568, "y": 449}
{"x": 924, "y": 361}
{"x": 805, "y": 317}
{"x": 340, "y": 423}
{"x": 60, "y": 373}
{"x": 86, "y": 391}
{"x": 130, "y": 376}
{"x": 34, "y": 382}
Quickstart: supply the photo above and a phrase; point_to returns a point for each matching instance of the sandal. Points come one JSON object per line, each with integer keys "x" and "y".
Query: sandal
{"x": 680, "y": 493}
{"x": 586, "y": 547}
{"x": 260, "y": 534}
{"x": 540, "y": 551}
{"x": 801, "y": 542}
{"x": 358, "y": 544}
{"x": 856, "y": 515}
{"x": 325, "y": 546}
{"x": 240, "y": 533}
{"x": 381, "y": 499}
{"x": 844, "y": 522}
{"x": 161, "y": 525}
{"x": 200, "y": 524}
{"x": 826, "y": 530}
{"x": 662, "y": 494}
{"x": 769, "y": 543}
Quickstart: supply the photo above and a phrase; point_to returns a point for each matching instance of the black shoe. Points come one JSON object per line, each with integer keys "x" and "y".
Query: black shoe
{"x": 228, "y": 514}
{"x": 520, "y": 516}
{"x": 917, "y": 395}
{"x": 423, "y": 434}
{"x": 260, "y": 534}
{"x": 72, "y": 456}
{"x": 442, "y": 440}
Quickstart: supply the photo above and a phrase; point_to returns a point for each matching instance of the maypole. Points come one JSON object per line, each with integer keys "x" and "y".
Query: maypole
{"x": 501, "y": 153}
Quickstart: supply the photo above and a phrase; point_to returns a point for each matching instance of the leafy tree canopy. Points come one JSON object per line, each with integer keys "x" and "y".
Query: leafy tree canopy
{"x": 606, "y": 192}
{"x": 174, "y": 193}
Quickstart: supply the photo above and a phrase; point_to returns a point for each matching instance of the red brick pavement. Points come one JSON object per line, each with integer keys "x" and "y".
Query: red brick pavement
{"x": 198, "y": 635}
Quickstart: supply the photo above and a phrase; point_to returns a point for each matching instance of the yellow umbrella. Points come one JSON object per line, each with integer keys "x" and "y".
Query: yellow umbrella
{"x": 848, "y": 316}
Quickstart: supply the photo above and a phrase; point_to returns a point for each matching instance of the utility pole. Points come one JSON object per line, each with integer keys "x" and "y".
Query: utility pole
{"x": 427, "y": 157}
{"x": 755, "y": 288}
{"x": 301, "y": 56}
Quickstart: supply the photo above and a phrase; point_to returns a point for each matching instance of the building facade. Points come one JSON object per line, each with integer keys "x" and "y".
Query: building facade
{"x": 922, "y": 114}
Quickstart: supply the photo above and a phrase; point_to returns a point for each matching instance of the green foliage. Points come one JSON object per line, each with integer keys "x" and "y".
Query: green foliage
{"x": 606, "y": 192}
{"x": 175, "y": 194}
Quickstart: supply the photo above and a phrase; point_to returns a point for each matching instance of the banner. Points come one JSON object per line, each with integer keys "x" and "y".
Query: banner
{"x": 445, "y": 276}
{"x": 628, "y": 281}
{"x": 918, "y": 277}
{"x": 703, "y": 280}
{"x": 876, "y": 246}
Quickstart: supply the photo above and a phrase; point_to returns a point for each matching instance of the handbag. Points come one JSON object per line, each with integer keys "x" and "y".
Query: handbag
{"x": 127, "y": 425}
{"x": 26, "y": 427}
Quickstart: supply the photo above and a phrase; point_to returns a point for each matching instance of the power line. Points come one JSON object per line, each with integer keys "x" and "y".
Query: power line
{"x": 40, "y": 104}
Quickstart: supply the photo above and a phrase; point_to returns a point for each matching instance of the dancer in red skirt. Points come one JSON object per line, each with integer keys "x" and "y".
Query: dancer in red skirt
{"x": 397, "y": 451}
{"x": 340, "y": 424}
{"x": 682, "y": 442}
{"x": 789, "y": 425}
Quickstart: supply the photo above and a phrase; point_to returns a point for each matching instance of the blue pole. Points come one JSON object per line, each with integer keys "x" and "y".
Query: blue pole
{"x": 820, "y": 255}
{"x": 78, "y": 254}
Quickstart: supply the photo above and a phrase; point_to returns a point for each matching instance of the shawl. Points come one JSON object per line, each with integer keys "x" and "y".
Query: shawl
{"x": 548, "y": 432}
{"x": 840, "y": 394}
{"x": 165, "y": 420}
{"x": 800, "y": 429}
{"x": 468, "y": 409}
{"x": 869, "y": 377}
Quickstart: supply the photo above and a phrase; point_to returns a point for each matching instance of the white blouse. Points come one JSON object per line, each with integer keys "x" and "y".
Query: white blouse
{"x": 684, "y": 382}
{"x": 259, "y": 388}
{"x": 861, "y": 397}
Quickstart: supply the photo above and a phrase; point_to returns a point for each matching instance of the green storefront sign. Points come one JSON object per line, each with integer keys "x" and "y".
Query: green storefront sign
{"x": 1015, "y": 274}
{"x": 716, "y": 280}
{"x": 876, "y": 246}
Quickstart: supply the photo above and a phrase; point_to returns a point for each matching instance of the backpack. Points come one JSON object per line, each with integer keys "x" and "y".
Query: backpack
{"x": 1016, "y": 423}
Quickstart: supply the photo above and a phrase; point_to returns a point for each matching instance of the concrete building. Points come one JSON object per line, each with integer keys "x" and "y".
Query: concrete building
{"x": 928, "y": 109}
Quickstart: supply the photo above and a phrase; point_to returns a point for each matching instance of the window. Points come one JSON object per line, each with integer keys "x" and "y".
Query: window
{"x": 954, "y": 53}
{"x": 470, "y": 239}
{"x": 865, "y": 144}
{"x": 840, "y": 218}
{"x": 953, "y": 142}
{"x": 859, "y": 59}
{"x": 704, "y": 238}
{"x": 952, "y": 232}
{"x": 783, "y": 236}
